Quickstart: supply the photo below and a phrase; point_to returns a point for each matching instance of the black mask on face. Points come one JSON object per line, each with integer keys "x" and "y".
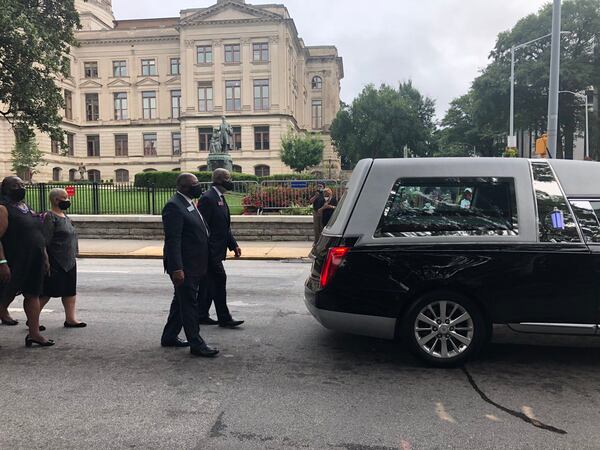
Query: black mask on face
{"x": 64, "y": 204}
{"x": 228, "y": 185}
{"x": 17, "y": 194}
{"x": 195, "y": 191}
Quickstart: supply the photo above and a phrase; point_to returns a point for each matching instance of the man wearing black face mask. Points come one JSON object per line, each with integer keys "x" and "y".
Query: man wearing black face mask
{"x": 186, "y": 262}
{"x": 215, "y": 210}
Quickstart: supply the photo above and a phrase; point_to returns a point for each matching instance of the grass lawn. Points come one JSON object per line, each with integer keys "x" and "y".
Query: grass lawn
{"x": 120, "y": 200}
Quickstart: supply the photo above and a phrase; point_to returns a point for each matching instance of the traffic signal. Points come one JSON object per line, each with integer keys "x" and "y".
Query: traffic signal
{"x": 541, "y": 146}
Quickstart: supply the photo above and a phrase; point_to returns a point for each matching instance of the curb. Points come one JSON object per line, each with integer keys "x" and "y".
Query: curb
{"x": 243, "y": 258}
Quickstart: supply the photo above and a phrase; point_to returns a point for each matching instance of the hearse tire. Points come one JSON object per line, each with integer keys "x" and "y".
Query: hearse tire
{"x": 444, "y": 329}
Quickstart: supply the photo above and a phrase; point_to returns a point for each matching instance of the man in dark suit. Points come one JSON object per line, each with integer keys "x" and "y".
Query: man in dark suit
{"x": 186, "y": 262}
{"x": 215, "y": 211}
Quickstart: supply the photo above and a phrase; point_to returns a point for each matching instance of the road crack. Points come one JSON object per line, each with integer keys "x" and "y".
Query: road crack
{"x": 519, "y": 415}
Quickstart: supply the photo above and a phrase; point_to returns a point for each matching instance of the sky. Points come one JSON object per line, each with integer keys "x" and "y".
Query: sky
{"x": 441, "y": 45}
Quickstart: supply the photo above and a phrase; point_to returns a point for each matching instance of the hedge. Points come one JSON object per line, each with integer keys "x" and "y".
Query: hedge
{"x": 167, "y": 179}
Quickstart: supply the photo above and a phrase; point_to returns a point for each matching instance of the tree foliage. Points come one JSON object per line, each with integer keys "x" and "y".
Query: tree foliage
{"x": 301, "y": 151}
{"x": 381, "y": 122}
{"x": 26, "y": 157}
{"x": 481, "y": 118}
{"x": 35, "y": 41}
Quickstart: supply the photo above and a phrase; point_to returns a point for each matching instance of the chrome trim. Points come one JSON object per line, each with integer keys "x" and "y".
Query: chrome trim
{"x": 374, "y": 326}
{"x": 583, "y": 329}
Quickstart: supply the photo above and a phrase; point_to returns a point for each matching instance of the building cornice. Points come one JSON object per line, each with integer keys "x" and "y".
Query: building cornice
{"x": 127, "y": 40}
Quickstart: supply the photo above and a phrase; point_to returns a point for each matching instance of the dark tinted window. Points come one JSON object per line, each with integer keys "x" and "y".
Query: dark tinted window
{"x": 450, "y": 207}
{"x": 555, "y": 221}
{"x": 587, "y": 216}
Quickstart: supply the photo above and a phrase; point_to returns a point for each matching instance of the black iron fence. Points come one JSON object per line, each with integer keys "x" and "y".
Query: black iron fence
{"x": 121, "y": 198}
{"x": 125, "y": 198}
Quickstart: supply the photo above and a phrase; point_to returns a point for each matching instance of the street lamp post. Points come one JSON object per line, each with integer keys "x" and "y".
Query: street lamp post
{"x": 553, "y": 88}
{"x": 513, "y": 49}
{"x": 586, "y": 151}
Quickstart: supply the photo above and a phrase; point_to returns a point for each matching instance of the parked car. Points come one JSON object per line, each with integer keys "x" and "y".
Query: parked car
{"x": 436, "y": 251}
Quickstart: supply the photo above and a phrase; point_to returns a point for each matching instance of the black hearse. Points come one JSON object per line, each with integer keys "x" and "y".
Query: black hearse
{"x": 435, "y": 251}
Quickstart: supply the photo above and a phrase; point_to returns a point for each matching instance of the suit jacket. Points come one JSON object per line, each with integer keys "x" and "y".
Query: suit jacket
{"x": 218, "y": 218}
{"x": 186, "y": 238}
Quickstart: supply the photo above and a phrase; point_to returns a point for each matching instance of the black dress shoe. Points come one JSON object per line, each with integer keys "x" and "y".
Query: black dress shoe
{"x": 231, "y": 323}
{"x": 29, "y": 342}
{"x": 208, "y": 321}
{"x": 9, "y": 322}
{"x": 75, "y": 325}
{"x": 176, "y": 343}
{"x": 204, "y": 350}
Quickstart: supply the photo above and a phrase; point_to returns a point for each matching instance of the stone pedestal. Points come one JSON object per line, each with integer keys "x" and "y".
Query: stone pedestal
{"x": 220, "y": 161}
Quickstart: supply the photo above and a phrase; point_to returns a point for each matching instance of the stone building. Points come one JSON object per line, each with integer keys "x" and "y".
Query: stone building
{"x": 144, "y": 94}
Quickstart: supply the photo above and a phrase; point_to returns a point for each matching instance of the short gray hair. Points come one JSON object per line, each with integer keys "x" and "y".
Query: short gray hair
{"x": 219, "y": 175}
{"x": 55, "y": 193}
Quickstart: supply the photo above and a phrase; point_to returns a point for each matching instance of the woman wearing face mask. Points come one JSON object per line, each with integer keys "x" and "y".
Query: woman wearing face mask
{"x": 23, "y": 258}
{"x": 62, "y": 248}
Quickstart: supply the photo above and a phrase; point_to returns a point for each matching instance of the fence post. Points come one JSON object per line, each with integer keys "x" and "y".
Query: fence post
{"x": 149, "y": 190}
{"x": 42, "y": 194}
{"x": 153, "y": 201}
{"x": 95, "y": 198}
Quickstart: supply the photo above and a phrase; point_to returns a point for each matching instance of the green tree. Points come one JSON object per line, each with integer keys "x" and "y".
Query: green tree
{"x": 26, "y": 156}
{"x": 301, "y": 151}
{"x": 490, "y": 92}
{"x": 381, "y": 122}
{"x": 35, "y": 41}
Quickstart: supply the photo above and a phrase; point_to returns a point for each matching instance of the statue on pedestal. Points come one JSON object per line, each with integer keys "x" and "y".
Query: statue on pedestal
{"x": 221, "y": 143}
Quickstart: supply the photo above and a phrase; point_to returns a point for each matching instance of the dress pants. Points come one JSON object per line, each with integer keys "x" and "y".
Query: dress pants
{"x": 217, "y": 292}
{"x": 185, "y": 311}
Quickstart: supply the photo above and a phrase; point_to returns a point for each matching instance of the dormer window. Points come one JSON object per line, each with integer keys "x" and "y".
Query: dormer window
{"x": 317, "y": 82}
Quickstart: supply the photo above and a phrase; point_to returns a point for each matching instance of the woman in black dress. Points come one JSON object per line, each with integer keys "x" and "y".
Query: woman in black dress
{"x": 61, "y": 245}
{"x": 23, "y": 258}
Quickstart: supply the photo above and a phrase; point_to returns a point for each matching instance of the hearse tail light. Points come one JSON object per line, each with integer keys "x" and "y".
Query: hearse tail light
{"x": 335, "y": 258}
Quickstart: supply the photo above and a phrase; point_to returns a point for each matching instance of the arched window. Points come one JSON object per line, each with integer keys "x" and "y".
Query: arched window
{"x": 150, "y": 170}
{"x": 122, "y": 176}
{"x": 203, "y": 169}
{"x": 262, "y": 170}
{"x": 317, "y": 82}
{"x": 94, "y": 176}
{"x": 56, "y": 174}
{"x": 237, "y": 169}
{"x": 72, "y": 174}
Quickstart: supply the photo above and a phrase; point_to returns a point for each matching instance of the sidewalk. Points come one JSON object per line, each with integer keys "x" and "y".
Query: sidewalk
{"x": 115, "y": 248}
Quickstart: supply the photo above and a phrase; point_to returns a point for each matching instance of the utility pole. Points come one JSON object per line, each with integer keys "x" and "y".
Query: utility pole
{"x": 554, "y": 81}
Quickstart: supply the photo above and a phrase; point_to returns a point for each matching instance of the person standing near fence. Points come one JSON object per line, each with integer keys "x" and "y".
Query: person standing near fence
{"x": 317, "y": 201}
{"x": 215, "y": 210}
{"x": 328, "y": 208}
{"x": 62, "y": 249}
{"x": 186, "y": 262}
{"x": 23, "y": 258}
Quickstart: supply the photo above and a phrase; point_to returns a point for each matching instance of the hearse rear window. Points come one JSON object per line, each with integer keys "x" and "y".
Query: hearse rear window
{"x": 555, "y": 221}
{"x": 450, "y": 207}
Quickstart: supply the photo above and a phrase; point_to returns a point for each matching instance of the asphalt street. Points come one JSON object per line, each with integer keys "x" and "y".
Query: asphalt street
{"x": 282, "y": 381}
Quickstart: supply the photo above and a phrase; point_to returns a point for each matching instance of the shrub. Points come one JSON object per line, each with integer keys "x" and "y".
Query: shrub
{"x": 297, "y": 210}
{"x": 279, "y": 198}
